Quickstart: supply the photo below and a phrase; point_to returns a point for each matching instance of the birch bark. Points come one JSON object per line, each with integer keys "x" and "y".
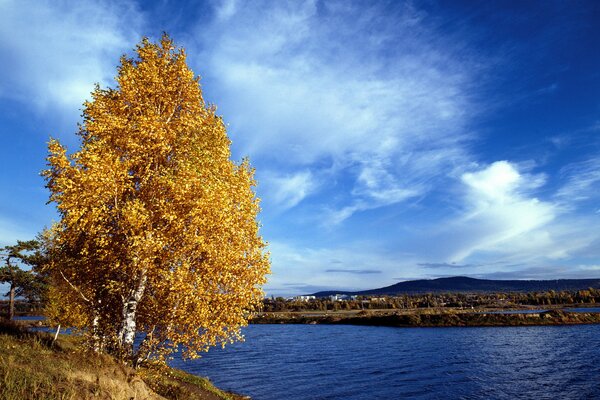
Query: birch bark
{"x": 126, "y": 334}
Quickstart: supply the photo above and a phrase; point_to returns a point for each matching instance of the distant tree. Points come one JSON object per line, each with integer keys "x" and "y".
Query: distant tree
{"x": 158, "y": 231}
{"x": 22, "y": 283}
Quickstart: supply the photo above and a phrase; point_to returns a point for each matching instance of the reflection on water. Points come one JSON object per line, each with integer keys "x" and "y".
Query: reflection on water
{"x": 299, "y": 362}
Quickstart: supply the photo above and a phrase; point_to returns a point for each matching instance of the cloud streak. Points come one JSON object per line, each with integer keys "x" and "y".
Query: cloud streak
{"x": 58, "y": 50}
{"x": 503, "y": 226}
{"x": 444, "y": 265}
{"x": 500, "y": 212}
{"x": 354, "y": 271}
{"x": 286, "y": 191}
{"x": 385, "y": 115}
{"x": 582, "y": 180}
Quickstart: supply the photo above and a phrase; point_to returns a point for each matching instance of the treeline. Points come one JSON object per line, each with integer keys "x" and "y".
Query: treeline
{"x": 35, "y": 305}
{"x": 22, "y": 307}
{"x": 433, "y": 319}
{"x": 450, "y": 300}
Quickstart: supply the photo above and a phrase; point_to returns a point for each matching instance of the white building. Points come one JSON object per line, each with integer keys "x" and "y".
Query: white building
{"x": 304, "y": 298}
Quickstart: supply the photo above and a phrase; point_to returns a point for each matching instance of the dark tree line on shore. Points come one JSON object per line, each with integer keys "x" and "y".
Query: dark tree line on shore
{"x": 33, "y": 303}
{"x": 21, "y": 270}
{"x": 450, "y": 300}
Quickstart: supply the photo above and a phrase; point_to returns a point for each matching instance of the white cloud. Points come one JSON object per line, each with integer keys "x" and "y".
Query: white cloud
{"x": 55, "y": 51}
{"x": 376, "y": 98}
{"x": 286, "y": 191}
{"x": 375, "y": 187}
{"x": 500, "y": 214}
{"x": 582, "y": 181}
{"x": 503, "y": 229}
{"x": 502, "y": 219}
{"x": 375, "y": 181}
{"x": 336, "y": 217}
{"x": 225, "y": 9}
{"x": 496, "y": 183}
{"x": 361, "y": 107}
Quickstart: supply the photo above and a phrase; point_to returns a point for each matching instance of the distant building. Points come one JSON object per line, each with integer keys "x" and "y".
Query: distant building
{"x": 339, "y": 297}
{"x": 304, "y": 298}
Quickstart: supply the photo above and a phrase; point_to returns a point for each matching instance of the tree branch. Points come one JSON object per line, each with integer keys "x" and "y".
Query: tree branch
{"x": 74, "y": 287}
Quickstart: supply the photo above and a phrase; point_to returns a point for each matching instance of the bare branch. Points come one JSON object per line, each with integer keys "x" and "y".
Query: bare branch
{"x": 74, "y": 287}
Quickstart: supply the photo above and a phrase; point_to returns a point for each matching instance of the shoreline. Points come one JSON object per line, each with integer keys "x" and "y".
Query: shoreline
{"x": 439, "y": 319}
{"x": 418, "y": 317}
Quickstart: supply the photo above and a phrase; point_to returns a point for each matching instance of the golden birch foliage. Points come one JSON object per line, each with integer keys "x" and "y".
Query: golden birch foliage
{"x": 152, "y": 202}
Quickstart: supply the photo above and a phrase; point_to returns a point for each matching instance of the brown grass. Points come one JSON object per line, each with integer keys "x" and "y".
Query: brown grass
{"x": 32, "y": 367}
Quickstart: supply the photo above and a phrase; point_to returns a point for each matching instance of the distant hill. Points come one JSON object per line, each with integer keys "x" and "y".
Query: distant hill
{"x": 464, "y": 284}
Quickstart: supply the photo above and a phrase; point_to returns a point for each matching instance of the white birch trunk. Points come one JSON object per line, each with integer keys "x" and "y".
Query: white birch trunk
{"x": 95, "y": 334}
{"x": 127, "y": 331}
{"x": 56, "y": 334}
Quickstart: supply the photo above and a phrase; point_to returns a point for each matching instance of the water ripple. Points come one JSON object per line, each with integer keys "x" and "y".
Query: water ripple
{"x": 299, "y": 362}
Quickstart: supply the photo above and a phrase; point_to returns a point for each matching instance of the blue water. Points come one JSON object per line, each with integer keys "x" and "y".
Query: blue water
{"x": 30, "y": 318}
{"x": 303, "y": 362}
{"x": 512, "y": 312}
{"x": 583, "y": 309}
{"x": 537, "y": 311}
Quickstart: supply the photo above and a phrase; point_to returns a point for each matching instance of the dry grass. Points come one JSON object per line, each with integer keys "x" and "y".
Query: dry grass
{"x": 175, "y": 384}
{"x": 31, "y": 367}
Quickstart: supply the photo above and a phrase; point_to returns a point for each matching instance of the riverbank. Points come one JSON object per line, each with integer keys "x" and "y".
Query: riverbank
{"x": 32, "y": 366}
{"x": 433, "y": 319}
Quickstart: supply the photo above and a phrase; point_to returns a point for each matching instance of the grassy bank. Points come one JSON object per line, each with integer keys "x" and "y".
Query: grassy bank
{"x": 432, "y": 319}
{"x": 32, "y": 367}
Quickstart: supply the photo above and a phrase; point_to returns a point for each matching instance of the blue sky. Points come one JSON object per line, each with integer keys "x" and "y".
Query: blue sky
{"x": 392, "y": 140}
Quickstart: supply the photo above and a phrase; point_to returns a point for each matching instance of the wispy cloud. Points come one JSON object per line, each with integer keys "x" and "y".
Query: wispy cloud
{"x": 354, "y": 271}
{"x": 287, "y": 190}
{"x": 386, "y": 114}
{"x": 294, "y": 263}
{"x": 548, "y": 89}
{"x": 445, "y": 265}
{"x": 549, "y": 271}
{"x": 58, "y": 50}
{"x": 503, "y": 225}
{"x": 297, "y": 288}
{"x": 582, "y": 138}
{"x": 582, "y": 181}
{"x": 226, "y": 9}
{"x": 500, "y": 211}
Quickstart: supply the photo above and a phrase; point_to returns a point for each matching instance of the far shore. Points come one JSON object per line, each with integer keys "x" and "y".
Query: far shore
{"x": 436, "y": 317}
{"x": 417, "y": 317}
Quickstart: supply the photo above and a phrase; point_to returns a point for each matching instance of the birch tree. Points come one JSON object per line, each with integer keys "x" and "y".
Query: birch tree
{"x": 158, "y": 230}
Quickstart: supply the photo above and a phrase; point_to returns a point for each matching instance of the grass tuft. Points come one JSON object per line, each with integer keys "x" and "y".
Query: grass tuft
{"x": 176, "y": 384}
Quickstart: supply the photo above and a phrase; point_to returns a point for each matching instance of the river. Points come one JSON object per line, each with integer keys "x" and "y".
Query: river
{"x": 302, "y": 362}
